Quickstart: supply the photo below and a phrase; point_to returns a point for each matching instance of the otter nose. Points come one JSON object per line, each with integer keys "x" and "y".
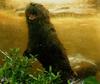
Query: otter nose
{"x": 31, "y": 17}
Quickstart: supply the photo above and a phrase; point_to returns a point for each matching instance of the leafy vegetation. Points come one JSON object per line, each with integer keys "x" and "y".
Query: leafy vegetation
{"x": 90, "y": 80}
{"x": 15, "y": 70}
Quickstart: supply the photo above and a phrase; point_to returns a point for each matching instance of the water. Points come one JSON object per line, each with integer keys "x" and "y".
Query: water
{"x": 79, "y": 34}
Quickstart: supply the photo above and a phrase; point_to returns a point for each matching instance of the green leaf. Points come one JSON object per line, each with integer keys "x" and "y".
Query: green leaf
{"x": 91, "y": 80}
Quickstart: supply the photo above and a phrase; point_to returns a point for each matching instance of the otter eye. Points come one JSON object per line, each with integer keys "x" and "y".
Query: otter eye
{"x": 28, "y": 14}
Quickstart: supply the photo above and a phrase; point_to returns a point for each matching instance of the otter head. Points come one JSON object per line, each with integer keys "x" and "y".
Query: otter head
{"x": 35, "y": 11}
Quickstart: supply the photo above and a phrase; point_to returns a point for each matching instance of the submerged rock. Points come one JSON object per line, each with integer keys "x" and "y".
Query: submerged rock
{"x": 83, "y": 66}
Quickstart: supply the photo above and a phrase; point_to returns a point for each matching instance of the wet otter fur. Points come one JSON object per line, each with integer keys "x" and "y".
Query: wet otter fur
{"x": 44, "y": 43}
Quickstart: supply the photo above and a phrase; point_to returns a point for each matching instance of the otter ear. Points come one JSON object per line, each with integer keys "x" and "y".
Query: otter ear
{"x": 32, "y": 3}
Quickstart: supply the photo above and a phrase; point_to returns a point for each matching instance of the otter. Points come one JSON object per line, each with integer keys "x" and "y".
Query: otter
{"x": 44, "y": 42}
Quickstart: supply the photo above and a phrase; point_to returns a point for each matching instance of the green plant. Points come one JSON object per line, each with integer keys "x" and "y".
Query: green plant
{"x": 15, "y": 70}
{"x": 90, "y": 80}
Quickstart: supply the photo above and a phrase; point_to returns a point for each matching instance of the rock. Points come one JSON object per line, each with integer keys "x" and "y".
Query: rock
{"x": 83, "y": 67}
